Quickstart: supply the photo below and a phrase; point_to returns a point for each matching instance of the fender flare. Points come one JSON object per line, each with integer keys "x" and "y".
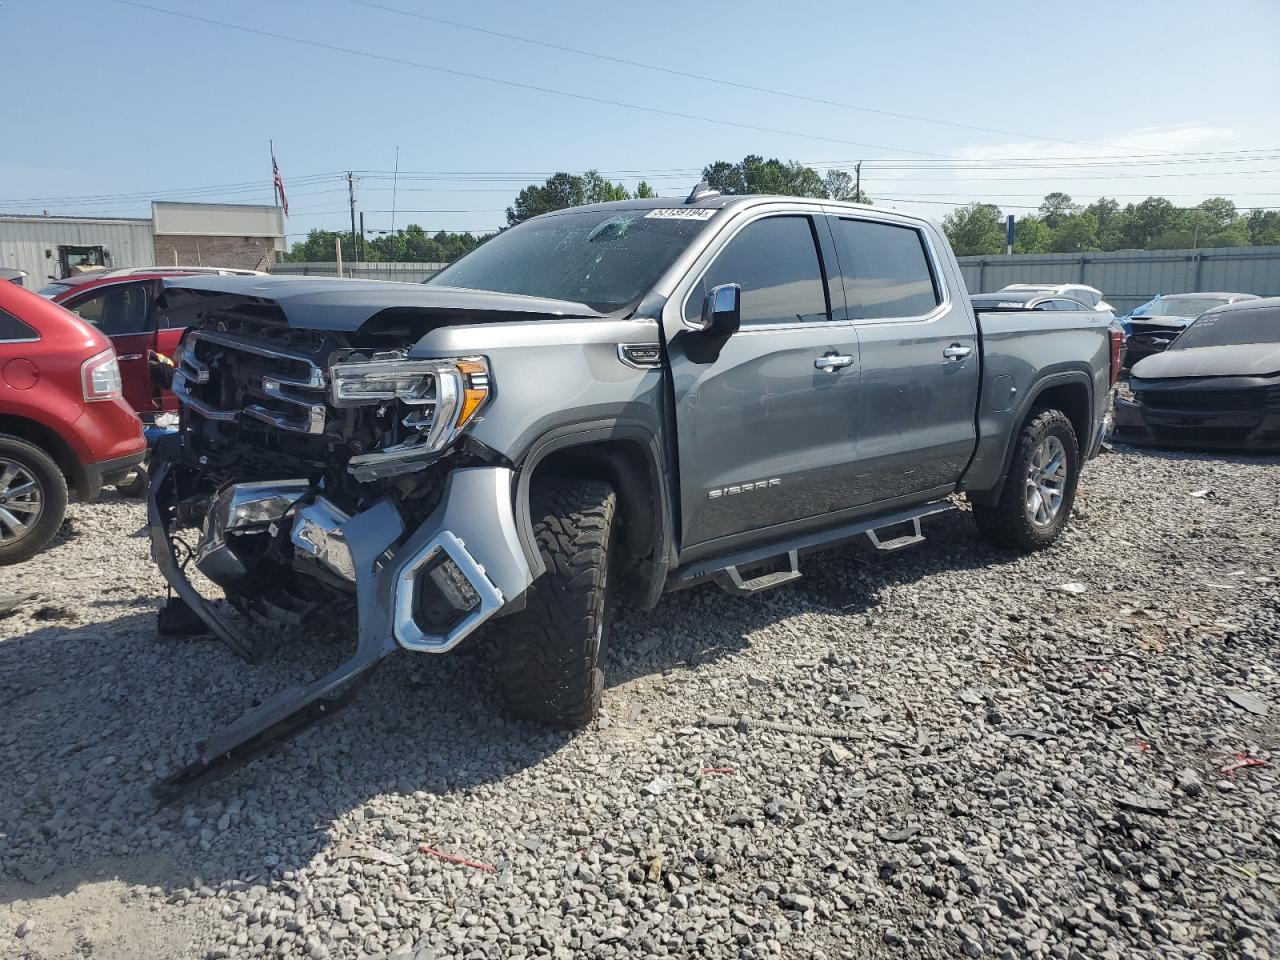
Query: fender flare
{"x": 585, "y": 433}
{"x": 1061, "y": 378}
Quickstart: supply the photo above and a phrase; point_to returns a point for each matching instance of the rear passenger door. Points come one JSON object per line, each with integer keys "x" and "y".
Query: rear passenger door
{"x": 767, "y": 419}
{"x": 920, "y": 362}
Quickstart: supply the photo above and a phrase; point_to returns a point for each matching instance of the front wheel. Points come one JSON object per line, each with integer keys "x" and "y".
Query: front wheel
{"x": 552, "y": 655}
{"x": 1040, "y": 488}
{"x": 33, "y": 499}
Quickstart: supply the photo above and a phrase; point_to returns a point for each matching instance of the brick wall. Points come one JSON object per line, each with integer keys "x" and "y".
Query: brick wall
{"x": 246, "y": 253}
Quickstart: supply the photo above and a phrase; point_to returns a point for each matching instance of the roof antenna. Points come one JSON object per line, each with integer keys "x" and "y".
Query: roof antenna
{"x": 701, "y": 192}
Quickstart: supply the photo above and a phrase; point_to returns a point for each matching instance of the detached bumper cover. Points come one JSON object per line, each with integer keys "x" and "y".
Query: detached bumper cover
{"x": 1222, "y": 413}
{"x": 475, "y": 518}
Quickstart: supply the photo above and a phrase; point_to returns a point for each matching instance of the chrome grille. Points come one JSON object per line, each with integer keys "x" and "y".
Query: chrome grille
{"x": 222, "y": 376}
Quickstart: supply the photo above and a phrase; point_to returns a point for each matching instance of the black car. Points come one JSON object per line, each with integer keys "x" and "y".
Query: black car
{"x": 1217, "y": 385}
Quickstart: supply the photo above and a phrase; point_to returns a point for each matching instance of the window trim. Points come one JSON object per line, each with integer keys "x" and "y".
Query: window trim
{"x": 694, "y": 277}
{"x": 934, "y": 264}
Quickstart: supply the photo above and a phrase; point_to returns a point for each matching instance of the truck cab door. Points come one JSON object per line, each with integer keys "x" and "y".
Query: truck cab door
{"x": 122, "y": 311}
{"x": 920, "y": 357}
{"x": 767, "y": 417}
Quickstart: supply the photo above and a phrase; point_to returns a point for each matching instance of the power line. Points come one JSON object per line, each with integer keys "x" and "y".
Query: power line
{"x": 717, "y": 80}
{"x": 509, "y": 83}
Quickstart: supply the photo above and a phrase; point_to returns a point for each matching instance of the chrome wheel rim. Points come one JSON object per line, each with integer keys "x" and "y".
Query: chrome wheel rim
{"x": 1046, "y": 482}
{"x": 21, "y": 501}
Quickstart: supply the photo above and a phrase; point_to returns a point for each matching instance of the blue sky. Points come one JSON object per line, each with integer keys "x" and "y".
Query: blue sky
{"x": 101, "y": 100}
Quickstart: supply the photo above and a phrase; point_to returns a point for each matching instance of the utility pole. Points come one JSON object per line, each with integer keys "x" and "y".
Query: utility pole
{"x": 857, "y": 182}
{"x": 362, "y": 234}
{"x": 351, "y": 196}
{"x": 395, "y": 183}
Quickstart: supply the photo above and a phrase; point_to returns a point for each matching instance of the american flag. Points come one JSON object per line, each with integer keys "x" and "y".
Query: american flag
{"x": 279, "y": 183}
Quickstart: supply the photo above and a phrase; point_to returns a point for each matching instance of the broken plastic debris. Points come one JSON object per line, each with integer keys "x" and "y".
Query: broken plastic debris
{"x": 1239, "y": 761}
{"x": 1073, "y": 586}
{"x": 1202, "y": 494}
{"x": 656, "y": 787}
{"x": 654, "y": 873}
{"x": 461, "y": 861}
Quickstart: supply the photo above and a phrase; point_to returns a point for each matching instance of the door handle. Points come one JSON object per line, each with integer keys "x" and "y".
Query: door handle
{"x": 129, "y": 356}
{"x": 829, "y": 362}
{"x": 957, "y": 351}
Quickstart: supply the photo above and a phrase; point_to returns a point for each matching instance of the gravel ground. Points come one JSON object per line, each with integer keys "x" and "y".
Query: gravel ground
{"x": 937, "y": 753}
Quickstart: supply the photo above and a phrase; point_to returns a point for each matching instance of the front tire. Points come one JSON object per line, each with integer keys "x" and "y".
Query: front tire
{"x": 33, "y": 500}
{"x": 1040, "y": 489}
{"x": 552, "y": 654}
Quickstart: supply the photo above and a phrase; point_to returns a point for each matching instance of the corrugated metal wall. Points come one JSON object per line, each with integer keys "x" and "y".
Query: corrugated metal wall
{"x": 24, "y": 240}
{"x": 389, "y": 270}
{"x": 1129, "y": 278}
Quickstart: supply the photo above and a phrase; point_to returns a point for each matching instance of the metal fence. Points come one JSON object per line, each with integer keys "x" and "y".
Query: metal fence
{"x": 1129, "y": 278}
{"x": 404, "y": 272}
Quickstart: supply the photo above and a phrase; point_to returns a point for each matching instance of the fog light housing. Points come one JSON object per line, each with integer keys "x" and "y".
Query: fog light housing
{"x": 442, "y": 594}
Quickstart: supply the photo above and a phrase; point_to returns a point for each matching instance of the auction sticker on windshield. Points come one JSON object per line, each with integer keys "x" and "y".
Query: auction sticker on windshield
{"x": 678, "y": 213}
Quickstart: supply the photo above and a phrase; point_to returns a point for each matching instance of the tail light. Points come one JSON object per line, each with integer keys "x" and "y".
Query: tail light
{"x": 100, "y": 376}
{"x": 1117, "y": 352}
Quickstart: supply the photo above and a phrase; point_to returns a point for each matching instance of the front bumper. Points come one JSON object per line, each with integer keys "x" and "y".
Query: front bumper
{"x": 474, "y": 526}
{"x": 1206, "y": 428}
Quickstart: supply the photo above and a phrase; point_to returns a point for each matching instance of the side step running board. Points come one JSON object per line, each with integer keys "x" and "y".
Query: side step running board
{"x": 730, "y": 578}
{"x": 724, "y": 568}
{"x": 897, "y": 543}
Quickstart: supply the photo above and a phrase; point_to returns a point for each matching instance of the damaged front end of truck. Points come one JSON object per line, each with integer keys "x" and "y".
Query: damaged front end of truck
{"x": 318, "y": 468}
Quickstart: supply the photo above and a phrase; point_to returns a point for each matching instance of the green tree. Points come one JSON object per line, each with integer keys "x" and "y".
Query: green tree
{"x": 1264, "y": 227}
{"x": 754, "y": 174}
{"x": 596, "y": 189}
{"x": 1075, "y": 233}
{"x": 1147, "y": 220}
{"x": 319, "y": 247}
{"x": 1031, "y": 235}
{"x": 1111, "y": 222}
{"x": 840, "y": 185}
{"x": 644, "y": 191}
{"x": 975, "y": 230}
{"x": 560, "y": 190}
{"x": 1055, "y": 207}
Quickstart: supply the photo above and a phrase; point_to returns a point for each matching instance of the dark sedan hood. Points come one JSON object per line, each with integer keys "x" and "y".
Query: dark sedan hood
{"x": 328, "y": 303}
{"x": 1233, "y": 360}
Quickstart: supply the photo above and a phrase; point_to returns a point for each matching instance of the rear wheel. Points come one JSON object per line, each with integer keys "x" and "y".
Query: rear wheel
{"x": 33, "y": 499}
{"x": 552, "y": 660}
{"x": 1040, "y": 489}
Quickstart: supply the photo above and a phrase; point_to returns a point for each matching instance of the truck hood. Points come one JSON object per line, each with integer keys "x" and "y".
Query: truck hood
{"x": 329, "y": 303}
{"x": 1232, "y": 360}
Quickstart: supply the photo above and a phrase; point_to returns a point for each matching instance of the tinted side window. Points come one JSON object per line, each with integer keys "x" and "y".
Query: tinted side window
{"x": 775, "y": 260}
{"x": 116, "y": 310}
{"x": 886, "y": 272}
{"x": 11, "y": 328}
{"x": 1045, "y": 305}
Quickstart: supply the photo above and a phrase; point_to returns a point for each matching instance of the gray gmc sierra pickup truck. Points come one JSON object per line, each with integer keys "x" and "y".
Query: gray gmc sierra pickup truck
{"x": 636, "y": 396}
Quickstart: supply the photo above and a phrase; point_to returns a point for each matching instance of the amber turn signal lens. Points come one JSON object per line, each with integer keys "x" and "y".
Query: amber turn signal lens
{"x": 475, "y": 390}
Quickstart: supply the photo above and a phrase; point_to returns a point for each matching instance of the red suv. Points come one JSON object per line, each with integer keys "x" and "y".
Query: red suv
{"x": 122, "y": 305}
{"x": 64, "y": 424}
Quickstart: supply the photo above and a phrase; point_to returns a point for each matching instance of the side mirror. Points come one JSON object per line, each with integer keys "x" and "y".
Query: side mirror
{"x": 722, "y": 311}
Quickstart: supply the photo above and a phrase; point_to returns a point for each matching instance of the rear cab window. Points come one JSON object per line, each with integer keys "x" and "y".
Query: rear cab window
{"x": 887, "y": 271}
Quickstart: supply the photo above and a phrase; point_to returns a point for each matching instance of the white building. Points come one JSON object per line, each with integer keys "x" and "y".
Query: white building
{"x": 248, "y": 236}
